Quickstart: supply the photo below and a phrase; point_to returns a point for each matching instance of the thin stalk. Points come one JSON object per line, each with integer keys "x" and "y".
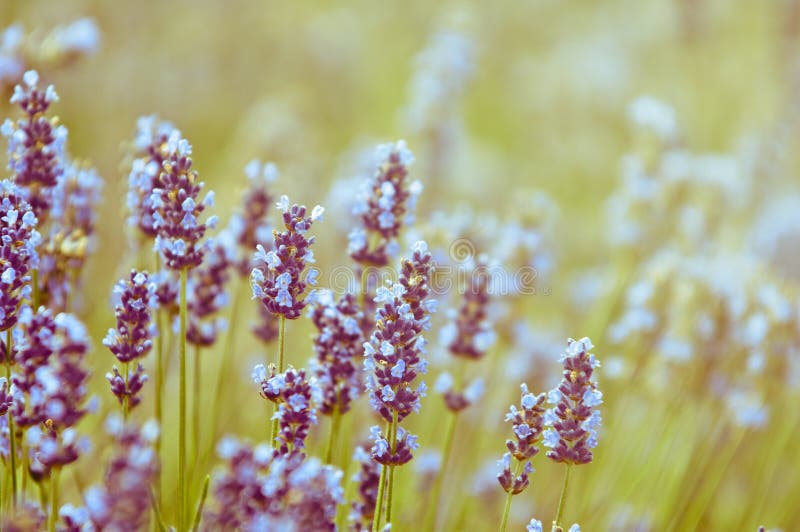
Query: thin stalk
{"x": 393, "y": 441}
{"x": 12, "y": 437}
{"x": 53, "y": 499}
{"x": 37, "y": 298}
{"x": 159, "y": 520}
{"x": 437, "y": 483}
{"x": 336, "y": 418}
{"x": 563, "y": 498}
{"x": 159, "y": 385}
{"x": 376, "y": 517}
{"x": 196, "y": 399}
{"x": 281, "y": 355}
{"x": 182, "y": 408}
{"x": 509, "y": 497}
{"x": 199, "y": 513}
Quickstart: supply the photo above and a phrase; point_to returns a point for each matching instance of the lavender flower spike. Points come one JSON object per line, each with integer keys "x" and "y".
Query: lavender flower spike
{"x": 18, "y": 241}
{"x": 528, "y": 423}
{"x": 280, "y": 278}
{"x": 386, "y": 205}
{"x": 574, "y": 418}
{"x": 35, "y": 144}
{"x": 131, "y": 340}
{"x": 251, "y": 227}
{"x": 176, "y": 209}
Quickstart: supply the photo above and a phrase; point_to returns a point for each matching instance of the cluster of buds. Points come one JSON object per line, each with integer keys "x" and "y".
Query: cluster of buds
{"x": 36, "y": 144}
{"x": 528, "y": 424}
{"x": 338, "y": 345}
{"x": 251, "y": 227}
{"x": 18, "y": 241}
{"x": 394, "y": 355}
{"x": 176, "y": 210}
{"x": 469, "y": 334}
{"x": 404, "y": 446}
{"x": 536, "y": 526}
{"x": 367, "y": 478}
{"x": 152, "y": 137}
{"x": 279, "y": 279}
{"x": 207, "y": 293}
{"x": 122, "y": 502}
{"x": 574, "y": 418}
{"x": 69, "y": 240}
{"x": 296, "y": 398}
{"x": 386, "y": 205}
{"x": 261, "y": 490}
{"x": 131, "y": 340}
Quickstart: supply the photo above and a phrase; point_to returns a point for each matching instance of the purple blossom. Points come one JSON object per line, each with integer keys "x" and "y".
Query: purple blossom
{"x": 132, "y": 338}
{"x": 470, "y": 334}
{"x": 6, "y": 397}
{"x": 265, "y": 328}
{"x": 527, "y": 423}
{"x": 18, "y": 241}
{"x": 296, "y": 398}
{"x": 207, "y": 293}
{"x": 405, "y": 445}
{"x": 259, "y": 489}
{"x": 35, "y": 144}
{"x": 280, "y": 278}
{"x": 367, "y": 478}
{"x": 394, "y": 355}
{"x": 338, "y": 346}
{"x": 122, "y": 502}
{"x": 176, "y": 209}
{"x": 251, "y": 227}
{"x": 386, "y": 206}
{"x": 510, "y": 482}
{"x": 573, "y": 419}
{"x": 150, "y": 148}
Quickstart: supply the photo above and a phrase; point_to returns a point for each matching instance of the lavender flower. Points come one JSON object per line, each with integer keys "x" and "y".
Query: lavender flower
{"x": 152, "y": 136}
{"x": 207, "y": 293}
{"x": 18, "y": 241}
{"x": 251, "y": 227}
{"x": 405, "y": 445}
{"x": 6, "y": 397}
{"x": 470, "y": 334}
{"x": 176, "y": 210}
{"x": 122, "y": 502}
{"x": 387, "y": 204}
{"x": 265, "y": 328}
{"x": 35, "y": 144}
{"x": 280, "y": 278}
{"x": 528, "y": 423}
{"x": 261, "y": 490}
{"x": 132, "y": 338}
{"x": 367, "y": 478}
{"x": 338, "y": 344}
{"x": 573, "y": 420}
{"x": 394, "y": 355}
{"x": 296, "y": 398}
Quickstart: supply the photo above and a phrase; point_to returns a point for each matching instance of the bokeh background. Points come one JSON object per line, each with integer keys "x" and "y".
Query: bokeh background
{"x": 645, "y": 219}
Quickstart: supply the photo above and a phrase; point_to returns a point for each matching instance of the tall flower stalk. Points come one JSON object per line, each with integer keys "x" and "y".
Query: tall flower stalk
{"x": 179, "y": 235}
{"x": 394, "y": 356}
{"x": 574, "y": 418}
{"x": 281, "y": 279}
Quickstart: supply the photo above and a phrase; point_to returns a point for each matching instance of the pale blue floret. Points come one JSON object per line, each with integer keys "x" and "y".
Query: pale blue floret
{"x": 550, "y": 438}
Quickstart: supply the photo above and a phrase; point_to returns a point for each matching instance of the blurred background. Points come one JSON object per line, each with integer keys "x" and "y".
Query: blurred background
{"x": 638, "y": 156}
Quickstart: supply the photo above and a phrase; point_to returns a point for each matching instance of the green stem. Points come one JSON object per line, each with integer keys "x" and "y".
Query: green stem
{"x": 393, "y": 442}
{"x": 159, "y": 385}
{"x": 376, "y": 517}
{"x": 199, "y": 513}
{"x": 182, "y": 408}
{"x": 562, "y": 500}
{"x": 336, "y": 418}
{"x": 12, "y": 437}
{"x": 281, "y": 355}
{"x": 53, "y": 499}
{"x": 37, "y": 299}
{"x": 225, "y": 363}
{"x": 437, "y": 483}
{"x": 509, "y": 497}
{"x": 196, "y": 400}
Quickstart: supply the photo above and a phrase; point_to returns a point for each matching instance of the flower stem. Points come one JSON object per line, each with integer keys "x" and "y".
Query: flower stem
{"x": 53, "y": 499}
{"x": 35, "y": 285}
{"x": 196, "y": 400}
{"x": 281, "y": 348}
{"x": 437, "y": 483}
{"x": 509, "y": 497}
{"x": 563, "y": 498}
{"x": 376, "y": 517}
{"x": 11, "y": 432}
{"x": 225, "y": 363}
{"x": 393, "y": 441}
{"x": 182, "y": 408}
{"x": 159, "y": 385}
{"x": 336, "y": 418}
{"x": 199, "y": 513}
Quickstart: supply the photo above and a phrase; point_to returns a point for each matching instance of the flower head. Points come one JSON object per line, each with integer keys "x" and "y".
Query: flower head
{"x": 207, "y": 289}
{"x": 250, "y": 226}
{"x": 296, "y": 398}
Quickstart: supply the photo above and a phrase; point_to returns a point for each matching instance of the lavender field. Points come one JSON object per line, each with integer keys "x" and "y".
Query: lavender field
{"x": 424, "y": 266}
